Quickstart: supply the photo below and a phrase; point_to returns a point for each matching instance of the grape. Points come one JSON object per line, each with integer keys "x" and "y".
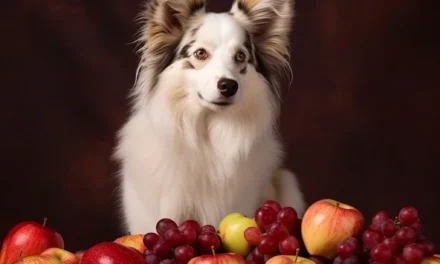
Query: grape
{"x": 417, "y": 226}
{"x": 408, "y": 215}
{"x": 152, "y": 259}
{"x": 168, "y": 261}
{"x": 278, "y": 230}
{"x": 173, "y": 237}
{"x": 164, "y": 225}
{"x": 288, "y": 246}
{"x": 252, "y": 235}
{"x": 345, "y": 249}
{"x": 191, "y": 224}
{"x": 268, "y": 245}
{"x": 355, "y": 243}
{"x": 207, "y": 228}
{"x": 184, "y": 253}
{"x": 288, "y": 216}
{"x": 381, "y": 253}
{"x": 371, "y": 238}
{"x": 161, "y": 248}
{"x": 391, "y": 242}
{"x": 412, "y": 253}
{"x": 150, "y": 239}
{"x": 388, "y": 228}
{"x": 378, "y": 218}
{"x": 351, "y": 260}
{"x": 148, "y": 252}
{"x": 271, "y": 203}
{"x": 427, "y": 246}
{"x": 405, "y": 235}
{"x": 189, "y": 236}
{"x": 377, "y": 262}
{"x": 208, "y": 241}
{"x": 258, "y": 256}
{"x": 264, "y": 217}
{"x": 398, "y": 259}
{"x": 338, "y": 260}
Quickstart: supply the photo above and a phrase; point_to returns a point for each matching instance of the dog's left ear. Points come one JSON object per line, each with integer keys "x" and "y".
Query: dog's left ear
{"x": 269, "y": 22}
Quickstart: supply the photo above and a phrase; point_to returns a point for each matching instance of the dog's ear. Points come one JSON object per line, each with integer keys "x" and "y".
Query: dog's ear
{"x": 269, "y": 22}
{"x": 163, "y": 25}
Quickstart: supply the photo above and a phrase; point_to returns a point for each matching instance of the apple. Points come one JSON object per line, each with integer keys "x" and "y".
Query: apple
{"x": 29, "y": 238}
{"x": 231, "y": 231}
{"x": 134, "y": 241}
{"x": 434, "y": 259}
{"x": 80, "y": 253}
{"x": 65, "y": 256}
{"x": 37, "y": 259}
{"x": 111, "y": 253}
{"x": 326, "y": 223}
{"x": 223, "y": 258}
{"x": 284, "y": 259}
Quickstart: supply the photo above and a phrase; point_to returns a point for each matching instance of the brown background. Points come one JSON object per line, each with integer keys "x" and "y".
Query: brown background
{"x": 361, "y": 120}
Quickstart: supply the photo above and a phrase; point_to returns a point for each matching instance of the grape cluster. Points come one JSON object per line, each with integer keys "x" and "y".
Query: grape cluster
{"x": 388, "y": 240}
{"x": 274, "y": 234}
{"x": 179, "y": 244}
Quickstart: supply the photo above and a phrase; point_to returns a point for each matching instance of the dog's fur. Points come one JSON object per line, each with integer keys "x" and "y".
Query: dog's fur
{"x": 187, "y": 152}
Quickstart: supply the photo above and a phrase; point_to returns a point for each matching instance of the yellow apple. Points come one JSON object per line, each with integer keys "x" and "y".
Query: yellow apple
{"x": 231, "y": 231}
{"x": 224, "y": 258}
{"x": 289, "y": 259}
{"x": 38, "y": 259}
{"x": 65, "y": 256}
{"x": 434, "y": 259}
{"x": 326, "y": 223}
{"x": 134, "y": 241}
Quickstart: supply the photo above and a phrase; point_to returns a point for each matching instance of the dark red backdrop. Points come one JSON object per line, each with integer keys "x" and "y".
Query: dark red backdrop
{"x": 360, "y": 121}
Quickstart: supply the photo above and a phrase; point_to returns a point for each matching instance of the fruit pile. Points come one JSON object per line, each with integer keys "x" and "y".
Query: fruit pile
{"x": 330, "y": 232}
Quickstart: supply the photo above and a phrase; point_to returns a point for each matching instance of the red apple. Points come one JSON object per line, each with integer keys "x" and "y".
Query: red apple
{"x": 65, "y": 256}
{"x": 31, "y": 239}
{"x": 223, "y": 258}
{"x": 289, "y": 259}
{"x": 111, "y": 253}
{"x": 39, "y": 260}
{"x": 134, "y": 241}
{"x": 326, "y": 223}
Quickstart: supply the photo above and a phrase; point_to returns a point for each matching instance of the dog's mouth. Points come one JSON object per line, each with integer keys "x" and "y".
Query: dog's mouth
{"x": 219, "y": 103}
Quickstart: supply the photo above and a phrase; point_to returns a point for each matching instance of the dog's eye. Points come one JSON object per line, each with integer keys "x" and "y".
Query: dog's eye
{"x": 201, "y": 54}
{"x": 240, "y": 56}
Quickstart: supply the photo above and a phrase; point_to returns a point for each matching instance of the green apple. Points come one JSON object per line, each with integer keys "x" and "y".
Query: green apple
{"x": 434, "y": 259}
{"x": 231, "y": 230}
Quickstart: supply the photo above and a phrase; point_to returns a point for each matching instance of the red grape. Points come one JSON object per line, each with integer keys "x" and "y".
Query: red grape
{"x": 408, "y": 215}
{"x": 351, "y": 260}
{"x": 427, "y": 246}
{"x": 398, "y": 259}
{"x": 148, "y": 252}
{"x": 391, "y": 242}
{"x": 173, "y": 237}
{"x": 161, "y": 248}
{"x": 184, "y": 253}
{"x": 271, "y": 203}
{"x": 356, "y": 244}
{"x": 207, "y": 228}
{"x": 377, "y": 262}
{"x": 268, "y": 245}
{"x": 278, "y": 230}
{"x": 405, "y": 235}
{"x": 150, "y": 239}
{"x": 208, "y": 241}
{"x": 189, "y": 236}
{"x": 168, "y": 261}
{"x": 288, "y": 246}
{"x": 388, "y": 228}
{"x": 371, "y": 238}
{"x": 288, "y": 216}
{"x": 164, "y": 225}
{"x": 378, "y": 218}
{"x": 345, "y": 249}
{"x": 417, "y": 226}
{"x": 191, "y": 224}
{"x": 381, "y": 253}
{"x": 258, "y": 256}
{"x": 252, "y": 235}
{"x": 152, "y": 259}
{"x": 412, "y": 253}
{"x": 338, "y": 260}
{"x": 264, "y": 217}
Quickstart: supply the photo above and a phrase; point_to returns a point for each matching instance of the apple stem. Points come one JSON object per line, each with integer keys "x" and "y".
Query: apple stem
{"x": 296, "y": 255}
{"x": 337, "y": 204}
{"x": 44, "y": 221}
{"x": 129, "y": 233}
{"x": 213, "y": 251}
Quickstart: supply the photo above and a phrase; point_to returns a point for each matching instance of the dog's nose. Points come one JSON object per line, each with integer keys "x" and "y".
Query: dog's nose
{"x": 227, "y": 87}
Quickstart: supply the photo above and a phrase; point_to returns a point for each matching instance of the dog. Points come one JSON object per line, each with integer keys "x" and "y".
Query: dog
{"x": 201, "y": 140}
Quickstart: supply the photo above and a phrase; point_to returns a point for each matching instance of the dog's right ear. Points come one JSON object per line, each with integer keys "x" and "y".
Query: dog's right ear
{"x": 164, "y": 23}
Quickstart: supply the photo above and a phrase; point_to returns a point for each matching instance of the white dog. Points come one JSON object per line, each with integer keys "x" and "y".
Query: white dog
{"x": 202, "y": 140}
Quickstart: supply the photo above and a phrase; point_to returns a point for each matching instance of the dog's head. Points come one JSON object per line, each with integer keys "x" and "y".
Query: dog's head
{"x": 214, "y": 61}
